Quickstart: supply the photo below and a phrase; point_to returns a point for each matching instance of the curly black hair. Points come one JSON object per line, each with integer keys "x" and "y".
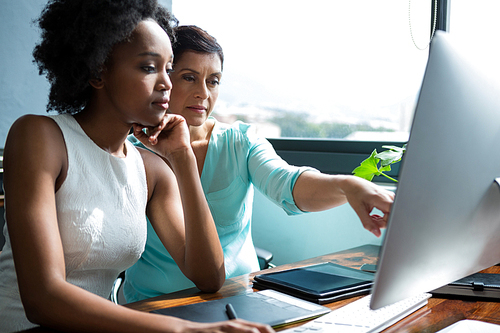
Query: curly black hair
{"x": 77, "y": 38}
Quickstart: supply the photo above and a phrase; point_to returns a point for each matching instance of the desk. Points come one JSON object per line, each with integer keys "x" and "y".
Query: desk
{"x": 438, "y": 314}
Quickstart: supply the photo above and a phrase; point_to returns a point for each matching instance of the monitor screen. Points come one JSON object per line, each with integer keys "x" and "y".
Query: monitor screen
{"x": 445, "y": 220}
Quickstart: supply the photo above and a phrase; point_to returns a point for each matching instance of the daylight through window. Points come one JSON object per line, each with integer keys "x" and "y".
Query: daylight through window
{"x": 318, "y": 69}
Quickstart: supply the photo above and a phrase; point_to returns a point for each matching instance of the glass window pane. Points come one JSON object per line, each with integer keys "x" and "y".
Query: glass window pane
{"x": 476, "y": 23}
{"x": 319, "y": 68}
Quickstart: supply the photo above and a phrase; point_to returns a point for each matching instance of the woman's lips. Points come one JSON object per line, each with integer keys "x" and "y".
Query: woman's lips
{"x": 163, "y": 103}
{"x": 197, "y": 108}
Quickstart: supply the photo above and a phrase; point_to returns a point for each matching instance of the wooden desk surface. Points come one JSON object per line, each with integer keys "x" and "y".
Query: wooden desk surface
{"x": 436, "y": 315}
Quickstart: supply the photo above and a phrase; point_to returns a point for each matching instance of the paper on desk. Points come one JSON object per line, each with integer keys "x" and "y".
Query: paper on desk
{"x": 471, "y": 326}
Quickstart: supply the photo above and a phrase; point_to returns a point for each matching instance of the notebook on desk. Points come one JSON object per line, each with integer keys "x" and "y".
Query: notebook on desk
{"x": 266, "y": 307}
{"x": 320, "y": 283}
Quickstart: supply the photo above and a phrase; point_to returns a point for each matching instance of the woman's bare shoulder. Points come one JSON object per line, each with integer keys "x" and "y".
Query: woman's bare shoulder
{"x": 34, "y": 132}
{"x": 35, "y": 140}
{"x": 31, "y": 124}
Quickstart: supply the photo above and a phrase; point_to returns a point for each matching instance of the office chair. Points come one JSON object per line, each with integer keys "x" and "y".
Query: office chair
{"x": 116, "y": 287}
{"x": 263, "y": 256}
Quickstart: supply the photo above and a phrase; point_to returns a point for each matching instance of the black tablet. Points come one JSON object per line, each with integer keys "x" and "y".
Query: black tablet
{"x": 320, "y": 283}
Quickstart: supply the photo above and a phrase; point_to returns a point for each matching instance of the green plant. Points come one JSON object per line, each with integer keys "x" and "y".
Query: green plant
{"x": 370, "y": 166}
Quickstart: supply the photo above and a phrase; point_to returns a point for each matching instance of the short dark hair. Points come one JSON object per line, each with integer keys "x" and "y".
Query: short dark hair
{"x": 193, "y": 38}
{"x": 77, "y": 38}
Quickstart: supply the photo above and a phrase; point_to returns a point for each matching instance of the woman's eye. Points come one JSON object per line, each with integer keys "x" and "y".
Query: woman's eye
{"x": 214, "y": 82}
{"x": 188, "y": 78}
{"x": 149, "y": 69}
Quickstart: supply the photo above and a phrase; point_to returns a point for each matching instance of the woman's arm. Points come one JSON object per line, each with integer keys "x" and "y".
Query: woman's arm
{"x": 177, "y": 207}
{"x": 314, "y": 191}
{"x": 35, "y": 166}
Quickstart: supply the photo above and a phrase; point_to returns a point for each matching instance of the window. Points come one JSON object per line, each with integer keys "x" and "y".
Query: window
{"x": 318, "y": 69}
{"x": 327, "y": 81}
{"x": 476, "y": 23}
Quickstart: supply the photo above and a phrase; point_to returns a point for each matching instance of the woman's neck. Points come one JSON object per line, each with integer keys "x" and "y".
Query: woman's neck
{"x": 200, "y": 138}
{"x": 202, "y": 133}
{"x": 106, "y": 131}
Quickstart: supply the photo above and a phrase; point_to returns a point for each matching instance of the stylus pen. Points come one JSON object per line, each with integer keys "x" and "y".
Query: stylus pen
{"x": 231, "y": 314}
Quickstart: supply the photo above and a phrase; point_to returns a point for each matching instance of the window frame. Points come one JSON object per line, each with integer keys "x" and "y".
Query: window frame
{"x": 332, "y": 156}
{"x": 343, "y": 156}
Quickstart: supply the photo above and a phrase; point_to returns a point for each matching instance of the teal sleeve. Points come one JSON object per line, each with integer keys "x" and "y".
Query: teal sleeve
{"x": 274, "y": 177}
{"x": 135, "y": 141}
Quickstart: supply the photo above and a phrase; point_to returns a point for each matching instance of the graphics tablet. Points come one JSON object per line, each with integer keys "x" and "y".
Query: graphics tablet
{"x": 266, "y": 307}
{"x": 321, "y": 283}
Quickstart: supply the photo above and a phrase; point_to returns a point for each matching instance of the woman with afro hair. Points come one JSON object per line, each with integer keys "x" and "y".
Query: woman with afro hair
{"x": 76, "y": 190}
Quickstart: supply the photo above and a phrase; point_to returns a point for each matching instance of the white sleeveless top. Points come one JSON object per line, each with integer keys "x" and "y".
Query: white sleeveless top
{"x": 101, "y": 216}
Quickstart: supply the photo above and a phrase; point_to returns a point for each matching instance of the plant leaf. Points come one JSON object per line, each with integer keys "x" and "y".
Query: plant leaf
{"x": 368, "y": 168}
{"x": 388, "y": 157}
{"x": 392, "y": 155}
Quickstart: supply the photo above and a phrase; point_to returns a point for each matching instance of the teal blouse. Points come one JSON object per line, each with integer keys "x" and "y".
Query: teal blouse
{"x": 236, "y": 160}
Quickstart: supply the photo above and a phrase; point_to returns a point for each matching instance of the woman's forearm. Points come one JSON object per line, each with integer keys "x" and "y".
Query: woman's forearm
{"x": 318, "y": 192}
{"x": 314, "y": 191}
{"x": 203, "y": 252}
{"x": 68, "y": 308}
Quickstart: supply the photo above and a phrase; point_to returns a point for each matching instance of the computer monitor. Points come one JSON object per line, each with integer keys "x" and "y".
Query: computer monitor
{"x": 445, "y": 220}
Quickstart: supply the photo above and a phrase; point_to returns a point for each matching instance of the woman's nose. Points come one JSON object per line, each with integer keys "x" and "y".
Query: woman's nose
{"x": 164, "y": 82}
{"x": 202, "y": 91}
